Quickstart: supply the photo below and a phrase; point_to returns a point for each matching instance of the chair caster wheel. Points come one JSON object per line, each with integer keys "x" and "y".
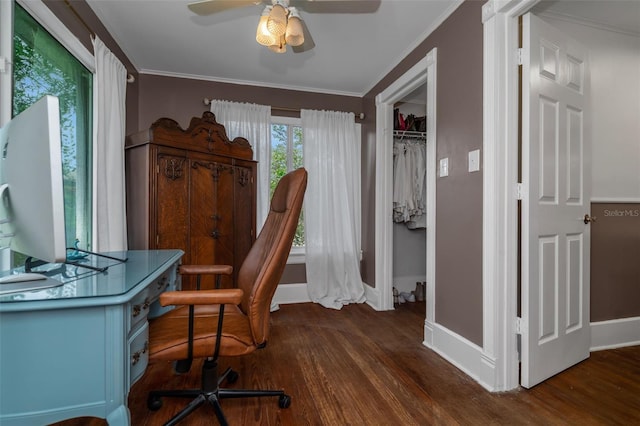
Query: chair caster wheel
{"x": 154, "y": 403}
{"x": 182, "y": 366}
{"x": 232, "y": 377}
{"x": 284, "y": 401}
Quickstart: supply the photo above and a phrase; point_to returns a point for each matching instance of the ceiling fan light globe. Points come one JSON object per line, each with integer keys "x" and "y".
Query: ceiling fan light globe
{"x": 294, "y": 35}
{"x": 277, "y": 22}
{"x": 280, "y": 46}
{"x": 263, "y": 36}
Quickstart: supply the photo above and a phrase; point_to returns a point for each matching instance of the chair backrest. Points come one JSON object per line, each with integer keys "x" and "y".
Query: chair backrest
{"x": 262, "y": 269}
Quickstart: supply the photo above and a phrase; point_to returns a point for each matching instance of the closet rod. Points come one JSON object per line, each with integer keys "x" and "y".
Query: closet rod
{"x": 409, "y": 134}
{"x": 360, "y": 115}
{"x": 92, "y": 34}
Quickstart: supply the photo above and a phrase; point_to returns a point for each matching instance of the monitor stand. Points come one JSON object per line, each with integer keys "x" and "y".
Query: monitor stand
{"x": 31, "y": 263}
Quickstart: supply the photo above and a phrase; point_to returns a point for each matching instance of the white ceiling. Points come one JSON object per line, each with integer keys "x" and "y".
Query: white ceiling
{"x": 353, "y": 51}
{"x": 620, "y": 15}
{"x": 357, "y": 42}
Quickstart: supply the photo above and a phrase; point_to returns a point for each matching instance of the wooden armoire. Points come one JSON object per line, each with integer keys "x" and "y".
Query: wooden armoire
{"x": 194, "y": 190}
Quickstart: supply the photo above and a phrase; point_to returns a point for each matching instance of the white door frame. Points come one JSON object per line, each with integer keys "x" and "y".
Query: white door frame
{"x": 424, "y": 72}
{"x": 500, "y": 218}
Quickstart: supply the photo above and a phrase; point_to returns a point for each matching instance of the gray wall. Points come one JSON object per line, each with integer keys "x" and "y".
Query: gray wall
{"x": 615, "y": 270}
{"x": 458, "y": 196}
{"x": 181, "y": 98}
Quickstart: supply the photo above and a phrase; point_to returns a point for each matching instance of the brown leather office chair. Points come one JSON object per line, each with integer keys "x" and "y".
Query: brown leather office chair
{"x": 199, "y": 331}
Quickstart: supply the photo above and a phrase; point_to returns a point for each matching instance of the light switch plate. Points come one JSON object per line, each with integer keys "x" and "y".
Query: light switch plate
{"x": 444, "y": 167}
{"x": 474, "y": 160}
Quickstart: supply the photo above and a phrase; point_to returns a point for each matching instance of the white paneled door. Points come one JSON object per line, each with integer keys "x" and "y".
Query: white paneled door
{"x": 556, "y": 183}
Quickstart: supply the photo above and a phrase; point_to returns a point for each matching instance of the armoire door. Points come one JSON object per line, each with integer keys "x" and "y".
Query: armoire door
{"x": 211, "y": 215}
{"x": 244, "y": 208}
{"x": 171, "y": 203}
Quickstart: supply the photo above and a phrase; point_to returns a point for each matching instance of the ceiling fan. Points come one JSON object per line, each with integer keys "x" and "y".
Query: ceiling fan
{"x": 280, "y": 23}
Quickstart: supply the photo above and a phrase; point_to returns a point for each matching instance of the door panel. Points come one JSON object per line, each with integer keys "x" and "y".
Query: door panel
{"x": 172, "y": 220}
{"x": 202, "y": 215}
{"x": 244, "y": 207}
{"x": 556, "y": 178}
{"x": 226, "y": 217}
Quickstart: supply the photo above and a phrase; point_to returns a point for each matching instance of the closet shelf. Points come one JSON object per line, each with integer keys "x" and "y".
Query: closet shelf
{"x": 409, "y": 134}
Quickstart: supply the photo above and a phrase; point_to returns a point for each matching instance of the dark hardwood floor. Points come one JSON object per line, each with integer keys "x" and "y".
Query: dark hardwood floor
{"x": 361, "y": 367}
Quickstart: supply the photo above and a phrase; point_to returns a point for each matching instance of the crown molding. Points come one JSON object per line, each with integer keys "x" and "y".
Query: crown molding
{"x": 247, "y": 83}
{"x": 588, "y": 22}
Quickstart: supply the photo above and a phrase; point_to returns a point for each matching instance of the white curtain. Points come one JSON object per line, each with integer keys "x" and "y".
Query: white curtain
{"x": 109, "y": 211}
{"x": 252, "y": 122}
{"x": 332, "y": 208}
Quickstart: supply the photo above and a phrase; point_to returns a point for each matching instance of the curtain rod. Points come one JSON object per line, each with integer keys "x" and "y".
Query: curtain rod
{"x": 359, "y": 115}
{"x": 92, "y": 34}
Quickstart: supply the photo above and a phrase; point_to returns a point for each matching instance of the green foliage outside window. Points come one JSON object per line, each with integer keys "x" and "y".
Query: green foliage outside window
{"x": 42, "y": 66}
{"x": 286, "y": 155}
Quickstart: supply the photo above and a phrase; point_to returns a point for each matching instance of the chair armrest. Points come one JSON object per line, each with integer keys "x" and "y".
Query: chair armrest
{"x": 230, "y": 296}
{"x": 205, "y": 269}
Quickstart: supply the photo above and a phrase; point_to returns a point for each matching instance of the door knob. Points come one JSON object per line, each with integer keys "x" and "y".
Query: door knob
{"x": 588, "y": 218}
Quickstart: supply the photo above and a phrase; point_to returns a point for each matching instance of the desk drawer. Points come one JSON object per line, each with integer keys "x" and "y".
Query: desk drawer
{"x": 138, "y": 309}
{"x": 138, "y": 353}
{"x": 160, "y": 284}
{"x": 141, "y": 305}
{"x": 168, "y": 281}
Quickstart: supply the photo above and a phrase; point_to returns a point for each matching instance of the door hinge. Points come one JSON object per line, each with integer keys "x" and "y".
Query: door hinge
{"x": 519, "y": 56}
{"x": 519, "y": 191}
{"x": 519, "y": 326}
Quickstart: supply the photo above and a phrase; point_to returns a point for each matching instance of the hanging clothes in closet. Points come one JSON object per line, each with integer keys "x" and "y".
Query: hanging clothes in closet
{"x": 409, "y": 186}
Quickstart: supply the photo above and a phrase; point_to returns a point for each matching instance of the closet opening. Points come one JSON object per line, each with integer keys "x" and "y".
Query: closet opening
{"x": 409, "y": 200}
{"x": 420, "y": 78}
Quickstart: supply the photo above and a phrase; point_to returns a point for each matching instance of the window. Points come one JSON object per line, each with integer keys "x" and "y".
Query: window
{"x": 42, "y": 65}
{"x": 286, "y": 155}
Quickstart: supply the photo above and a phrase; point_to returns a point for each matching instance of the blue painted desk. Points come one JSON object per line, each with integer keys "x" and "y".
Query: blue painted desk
{"x": 75, "y": 350}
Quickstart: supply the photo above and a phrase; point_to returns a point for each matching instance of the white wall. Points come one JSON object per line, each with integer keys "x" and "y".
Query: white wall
{"x": 615, "y": 77}
{"x": 409, "y": 257}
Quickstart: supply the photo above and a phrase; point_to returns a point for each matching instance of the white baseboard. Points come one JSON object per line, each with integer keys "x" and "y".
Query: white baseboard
{"x": 291, "y": 293}
{"x": 462, "y": 353}
{"x": 408, "y": 283}
{"x": 615, "y": 333}
{"x": 372, "y": 295}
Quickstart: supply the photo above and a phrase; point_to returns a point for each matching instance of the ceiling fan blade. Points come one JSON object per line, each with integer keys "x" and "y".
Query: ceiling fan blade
{"x": 208, "y": 7}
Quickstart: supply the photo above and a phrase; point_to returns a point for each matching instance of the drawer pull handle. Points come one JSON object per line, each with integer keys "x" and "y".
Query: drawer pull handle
{"x": 136, "y": 356}
{"x": 163, "y": 283}
{"x": 137, "y": 309}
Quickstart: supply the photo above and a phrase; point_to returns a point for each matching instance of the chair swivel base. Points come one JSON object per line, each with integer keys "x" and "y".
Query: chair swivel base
{"x": 211, "y": 393}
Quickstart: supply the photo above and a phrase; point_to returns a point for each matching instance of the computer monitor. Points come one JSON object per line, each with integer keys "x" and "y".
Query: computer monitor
{"x": 32, "y": 187}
